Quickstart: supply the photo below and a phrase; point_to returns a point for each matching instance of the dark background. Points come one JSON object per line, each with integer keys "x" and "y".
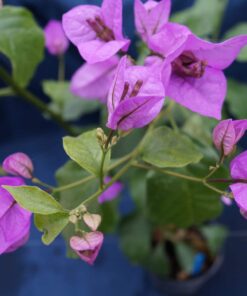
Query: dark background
{"x": 38, "y": 270}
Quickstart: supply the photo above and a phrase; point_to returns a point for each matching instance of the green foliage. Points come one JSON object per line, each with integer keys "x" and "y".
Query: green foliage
{"x": 71, "y": 198}
{"x": 51, "y": 225}
{"x": 86, "y": 151}
{"x": 180, "y": 202}
{"x": 236, "y": 98}
{"x": 135, "y": 237}
{"x": 167, "y": 148}
{"x": 238, "y": 29}
{"x": 215, "y": 236}
{"x": 22, "y": 41}
{"x": 65, "y": 103}
{"x": 204, "y": 18}
{"x": 186, "y": 256}
{"x": 135, "y": 240}
{"x": 35, "y": 200}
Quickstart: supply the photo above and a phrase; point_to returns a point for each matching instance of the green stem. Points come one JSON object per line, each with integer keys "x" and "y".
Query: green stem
{"x": 6, "y": 91}
{"x": 101, "y": 177}
{"x": 61, "y": 67}
{"x": 122, "y": 171}
{"x": 181, "y": 176}
{"x": 74, "y": 184}
{"x": 214, "y": 188}
{"x": 91, "y": 177}
{"x": 39, "y": 182}
{"x": 217, "y": 166}
{"x": 34, "y": 100}
{"x": 166, "y": 172}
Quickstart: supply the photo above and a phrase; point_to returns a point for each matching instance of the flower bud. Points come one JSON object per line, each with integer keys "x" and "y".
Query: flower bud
{"x": 100, "y": 136}
{"x": 92, "y": 221}
{"x": 88, "y": 246}
{"x": 19, "y": 164}
{"x": 55, "y": 40}
{"x": 227, "y": 133}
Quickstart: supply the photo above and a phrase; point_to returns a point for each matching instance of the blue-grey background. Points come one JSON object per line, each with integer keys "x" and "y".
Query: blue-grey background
{"x": 38, "y": 270}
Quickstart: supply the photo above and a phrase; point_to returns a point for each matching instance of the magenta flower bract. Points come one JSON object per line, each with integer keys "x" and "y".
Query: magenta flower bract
{"x": 197, "y": 81}
{"x": 227, "y": 133}
{"x": 238, "y": 170}
{"x": 19, "y": 164}
{"x": 88, "y": 246}
{"x": 15, "y": 221}
{"x": 226, "y": 200}
{"x": 96, "y": 31}
{"x": 55, "y": 40}
{"x": 92, "y": 81}
{"x": 112, "y": 192}
{"x": 92, "y": 220}
{"x": 135, "y": 98}
{"x": 151, "y": 17}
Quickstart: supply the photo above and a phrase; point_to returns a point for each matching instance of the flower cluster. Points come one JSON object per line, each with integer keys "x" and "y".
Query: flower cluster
{"x": 179, "y": 64}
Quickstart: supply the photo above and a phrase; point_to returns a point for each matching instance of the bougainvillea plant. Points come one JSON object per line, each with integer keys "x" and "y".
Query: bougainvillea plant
{"x": 161, "y": 136}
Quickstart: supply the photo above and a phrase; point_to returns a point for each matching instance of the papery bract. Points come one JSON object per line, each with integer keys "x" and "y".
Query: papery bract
{"x": 112, "y": 192}
{"x": 92, "y": 220}
{"x": 96, "y": 31}
{"x": 151, "y": 17}
{"x": 88, "y": 246}
{"x": 15, "y": 221}
{"x": 227, "y": 133}
{"x": 55, "y": 40}
{"x": 197, "y": 81}
{"x": 238, "y": 168}
{"x": 92, "y": 81}
{"x": 135, "y": 98}
{"x": 19, "y": 164}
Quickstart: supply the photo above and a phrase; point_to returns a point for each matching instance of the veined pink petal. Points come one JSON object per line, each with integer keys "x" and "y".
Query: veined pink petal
{"x": 112, "y": 192}
{"x": 135, "y": 112}
{"x": 88, "y": 246}
{"x": 14, "y": 221}
{"x": 239, "y": 191}
{"x": 96, "y": 51}
{"x": 117, "y": 86}
{"x": 76, "y": 26}
{"x": 112, "y": 15}
{"x": 238, "y": 166}
{"x": 6, "y": 200}
{"x": 170, "y": 42}
{"x": 18, "y": 164}
{"x": 204, "y": 95}
{"x": 240, "y": 127}
{"x": 151, "y": 17}
{"x": 218, "y": 55}
{"x": 92, "y": 81}
{"x": 224, "y": 136}
{"x": 92, "y": 220}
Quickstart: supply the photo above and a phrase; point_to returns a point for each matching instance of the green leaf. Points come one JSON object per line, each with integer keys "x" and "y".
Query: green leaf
{"x": 238, "y": 29}
{"x": 135, "y": 238}
{"x": 35, "y": 200}
{"x": 73, "y": 197}
{"x": 167, "y": 148}
{"x": 110, "y": 216}
{"x": 180, "y": 202}
{"x": 65, "y": 103}
{"x": 186, "y": 256}
{"x": 86, "y": 151}
{"x": 51, "y": 225}
{"x": 158, "y": 262}
{"x": 237, "y": 99}
{"x": 215, "y": 236}
{"x": 137, "y": 183}
{"x": 22, "y": 41}
{"x": 204, "y": 18}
